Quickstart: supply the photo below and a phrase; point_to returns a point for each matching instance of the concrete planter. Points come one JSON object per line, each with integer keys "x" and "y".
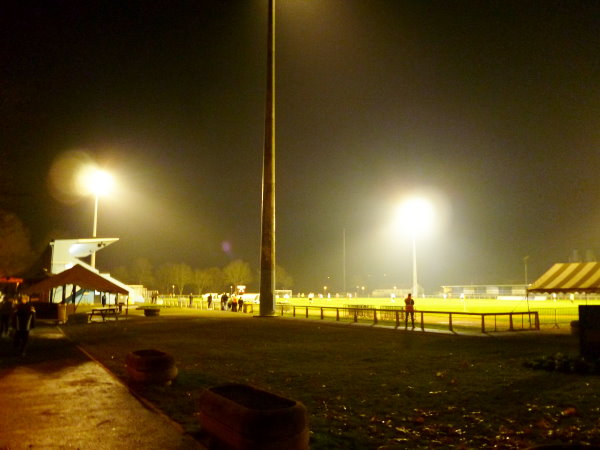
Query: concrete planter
{"x": 575, "y": 327}
{"x": 151, "y": 367}
{"x": 237, "y": 416}
{"x": 151, "y": 312}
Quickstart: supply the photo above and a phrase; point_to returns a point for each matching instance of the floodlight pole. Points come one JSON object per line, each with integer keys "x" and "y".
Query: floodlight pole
{"x": 344, "y": 260}
{"x": 95, "y": 228}
{"x": 267, "y": 251}
{"x": 415, "y": 285}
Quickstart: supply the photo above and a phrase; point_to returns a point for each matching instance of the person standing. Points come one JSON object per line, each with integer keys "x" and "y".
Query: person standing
{"x": 209, "y": 300}
{"x": 409, "y": 310}
{"x": 23, "y": 322}
{"x": 6, "y": 310}
{"x": 224, "y": 299}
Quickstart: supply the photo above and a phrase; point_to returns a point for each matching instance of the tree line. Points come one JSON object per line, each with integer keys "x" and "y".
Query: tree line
{"x": 17, "y": 257}
{"x": 180, "y": 278}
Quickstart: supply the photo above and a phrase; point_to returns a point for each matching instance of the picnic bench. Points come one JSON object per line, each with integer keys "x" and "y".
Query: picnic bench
{"x": 104, "y": 312}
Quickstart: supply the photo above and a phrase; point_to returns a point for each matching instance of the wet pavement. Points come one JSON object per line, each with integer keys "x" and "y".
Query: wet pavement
{"x": 56, "y": 397}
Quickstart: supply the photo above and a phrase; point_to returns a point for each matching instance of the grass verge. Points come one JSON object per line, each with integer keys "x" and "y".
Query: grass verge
{"x": 366, "y": 387}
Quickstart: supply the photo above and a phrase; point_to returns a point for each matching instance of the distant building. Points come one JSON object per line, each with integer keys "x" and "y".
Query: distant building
{"x": 496, "y": 291}
{"x": 283, "y": 293}
{"x": 390, "y": 293}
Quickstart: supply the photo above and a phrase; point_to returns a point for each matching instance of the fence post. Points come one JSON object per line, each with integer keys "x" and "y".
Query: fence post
{"x": 537, "y": 320}
{"x": 307, "y": 312}
{"x": 397, "y": 318}
{"x": 483, "y": 323}
{"x": 422, "y": 323}
{"x": 355, "y": 315}
{"x": 374, "y": 316}
{"x": 322, "y": 316}
{"x": 450, "y": 321}
{"x": 294, "y": 312}
{"x": 510, "y": 321}
{"x": 337, "y": 314}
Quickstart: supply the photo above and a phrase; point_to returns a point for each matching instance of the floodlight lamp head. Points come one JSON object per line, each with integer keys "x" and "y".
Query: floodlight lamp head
{"x": 100, "y": 183}
{"x": 416, "y": 215}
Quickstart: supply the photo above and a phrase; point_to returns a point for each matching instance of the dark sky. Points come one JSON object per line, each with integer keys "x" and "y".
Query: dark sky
{"x": 490, "y": 107}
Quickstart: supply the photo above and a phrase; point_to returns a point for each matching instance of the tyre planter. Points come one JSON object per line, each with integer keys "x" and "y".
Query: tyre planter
{"x": 575, "y": 327}
{"x": 151, "y": 367}
{"x": 148, "y": 312}
{"x": 237, "y": 416}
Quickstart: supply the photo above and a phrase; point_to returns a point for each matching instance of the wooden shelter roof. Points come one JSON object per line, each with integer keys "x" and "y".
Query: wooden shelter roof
{"x": 79, "y": 276}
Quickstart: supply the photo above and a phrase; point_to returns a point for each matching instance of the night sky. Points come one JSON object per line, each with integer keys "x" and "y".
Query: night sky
{"x": 491, "y": 108}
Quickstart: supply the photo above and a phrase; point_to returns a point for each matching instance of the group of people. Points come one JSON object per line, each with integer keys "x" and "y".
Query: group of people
{"x": 17, "y": 318}
{"x": 233, "y": 303}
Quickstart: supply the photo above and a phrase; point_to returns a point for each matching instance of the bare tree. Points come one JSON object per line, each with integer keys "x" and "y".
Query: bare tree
{"x": 142, "y": 272}
{"x": 16, "y": 254}
{"x": 202, "y": 279}
{"x": 238, "y": 272}
{"x": 208, "y": 280}
{"x": 182, "y": 275}
{"x": 121, "y": 273}
{"x": 164, "y": 277}
{"x": 217, "y": 279}
{"x": 283, "y": 280}
{"x": 177, "y": 275}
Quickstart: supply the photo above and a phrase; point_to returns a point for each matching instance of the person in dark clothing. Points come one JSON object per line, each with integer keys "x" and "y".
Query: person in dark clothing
{"x": 240, "y": 303}
{"x": 6, "y": 310}
{"x": 23, "y": 322}
{"x": 409, "y": 310}
{"x": 209, "y": 300}
{"x": 224, "y": 299}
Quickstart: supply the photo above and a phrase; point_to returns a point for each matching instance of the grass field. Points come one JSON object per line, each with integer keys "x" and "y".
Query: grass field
{"x": 451, "y": 304}
{"x": 553, "y": 315}
{"x": 365, "y": 387}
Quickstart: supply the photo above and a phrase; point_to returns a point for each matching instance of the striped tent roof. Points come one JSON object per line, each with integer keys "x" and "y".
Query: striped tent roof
{"x": 569, "y": 277}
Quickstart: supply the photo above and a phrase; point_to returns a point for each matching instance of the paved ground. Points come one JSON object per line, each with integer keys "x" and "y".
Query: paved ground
{"x": 56, "y": 397}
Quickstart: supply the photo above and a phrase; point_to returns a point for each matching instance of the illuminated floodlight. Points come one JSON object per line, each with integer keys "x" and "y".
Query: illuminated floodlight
{"x": 94, "y": 181}
{"x": 415, "y": 216}
{"x": 100, "y": 183}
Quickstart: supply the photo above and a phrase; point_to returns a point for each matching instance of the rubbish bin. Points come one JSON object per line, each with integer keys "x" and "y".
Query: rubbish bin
{"x": 589, "y": 331}
{"x": 62, "y": 313}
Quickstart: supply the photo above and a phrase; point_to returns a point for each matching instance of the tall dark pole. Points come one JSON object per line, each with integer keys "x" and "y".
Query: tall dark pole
{"x": 344, "y": 260}
{"x": 267, "y": 250}
{"x": 94, "y": 229}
